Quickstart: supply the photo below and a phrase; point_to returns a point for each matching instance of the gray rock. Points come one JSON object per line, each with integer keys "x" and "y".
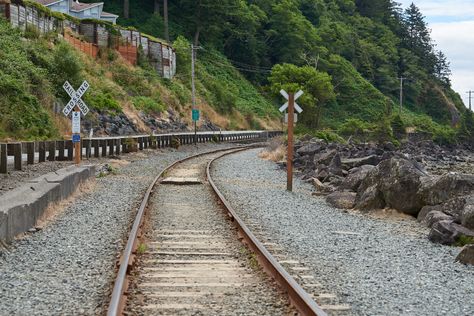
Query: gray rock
{"x": 397, "y": 180}
{"x": 335, "y": 167}
{"x": 342, "y": 200}
{"x": 447, "y": 232}
{"x": 311, "y": 148}
{"x": 439, "y": 190}
{"x": 466, "y": 255}
{"x": 372, "y": 160}
{"x": 355, "y": 177}
{"x": 370, "y": 199}
{"x": 425, "y": 210}
{"x": 325, "y": 157}
{"x": 435, "y": 216}
{"x": 467, "y": 215}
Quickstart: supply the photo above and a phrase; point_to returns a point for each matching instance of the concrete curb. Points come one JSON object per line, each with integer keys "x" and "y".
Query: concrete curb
{"x": 22, "y": 207}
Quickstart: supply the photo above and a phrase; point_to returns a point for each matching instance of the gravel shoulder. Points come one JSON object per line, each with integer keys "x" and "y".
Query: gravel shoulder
{"x": 68, "y": 266}
{"x": 15, "y": 178}
{"x": 379, "y": 266}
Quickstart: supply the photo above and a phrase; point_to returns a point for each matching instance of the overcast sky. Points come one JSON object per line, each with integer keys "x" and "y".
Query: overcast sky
{"x": 452, "y": 24}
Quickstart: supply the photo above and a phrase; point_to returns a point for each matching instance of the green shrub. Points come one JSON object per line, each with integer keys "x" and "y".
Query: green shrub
{"x": 398, "y": 126}
{"x": 175, "y": 142}
{"x": 148, "y": 105}
{"x": 354, "y": 127}
{"x": 101, "y": 101}
{"x": 32, "y": 32}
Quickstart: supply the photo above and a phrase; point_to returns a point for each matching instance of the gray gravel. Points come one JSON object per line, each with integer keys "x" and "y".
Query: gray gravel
{"x": 388, "y": 268}
{"x": 67, "y": 267}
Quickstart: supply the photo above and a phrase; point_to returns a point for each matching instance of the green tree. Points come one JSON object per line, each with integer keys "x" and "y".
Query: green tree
{"x": 316, "y": 85}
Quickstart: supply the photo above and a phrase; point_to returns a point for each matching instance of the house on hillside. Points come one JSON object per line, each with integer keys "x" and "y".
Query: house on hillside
{"x": 80, "y": 10}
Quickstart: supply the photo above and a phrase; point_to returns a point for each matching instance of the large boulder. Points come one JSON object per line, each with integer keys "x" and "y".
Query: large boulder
{"x": 447, "y": 232}
{"x": 310, "y": 149}
{"x": 459, "y": 209}
{"x": 325, "y": 158}
{"x": 369, "y": 199}
{"x": 441, "y": 189}
{"x": 335, "y": 166}
{"x": 435, "y": 216}
{"x": 466, "y": 255}
{"x": 343, "y": 200}
{"x": 372, "y": 160}
{"x": 397, "y": 181}
{"x": 355, "y": 177}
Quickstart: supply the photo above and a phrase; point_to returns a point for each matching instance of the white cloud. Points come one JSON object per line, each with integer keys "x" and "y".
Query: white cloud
{"x": 444, "y": 8}
{"x": 453, "y": 33}
{"x": 456, "y": 40}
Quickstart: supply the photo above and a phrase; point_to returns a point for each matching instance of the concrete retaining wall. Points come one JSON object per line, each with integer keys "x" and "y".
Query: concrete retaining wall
{"x": 21, "y": 208}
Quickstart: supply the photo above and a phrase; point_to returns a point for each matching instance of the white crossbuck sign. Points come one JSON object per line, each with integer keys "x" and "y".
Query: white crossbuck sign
{"x": 76, "y": 98}
{"x": 285, "y": 106}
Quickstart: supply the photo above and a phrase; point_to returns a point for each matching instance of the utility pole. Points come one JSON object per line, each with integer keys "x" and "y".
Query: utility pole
{"x": 401, "y": 92}
{"x": 165, "y": 18}
{"x": 470, "y": 98}
{"x": 195, "y": 111}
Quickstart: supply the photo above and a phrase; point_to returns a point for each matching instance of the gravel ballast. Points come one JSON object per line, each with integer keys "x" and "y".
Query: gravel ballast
{"x": 67, "y": 268}
{"x": 378, "y": 266}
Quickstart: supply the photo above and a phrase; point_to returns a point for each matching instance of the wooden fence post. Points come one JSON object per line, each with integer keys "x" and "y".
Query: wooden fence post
{"x": 30, "y": 153}
{"x": 42, "y": 152}
{"x": 3, "y": 158}
{"x": 51, "y": 151}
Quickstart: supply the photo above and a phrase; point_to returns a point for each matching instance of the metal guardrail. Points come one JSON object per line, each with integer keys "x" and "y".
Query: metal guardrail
{"x": 62, "y": 150}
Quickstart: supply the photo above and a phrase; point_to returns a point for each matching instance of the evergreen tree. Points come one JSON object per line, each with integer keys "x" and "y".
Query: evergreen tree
{"x": 441, "y": 70}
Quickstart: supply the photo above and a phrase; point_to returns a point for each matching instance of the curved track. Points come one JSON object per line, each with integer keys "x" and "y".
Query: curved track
{"x": 192, "y": 258}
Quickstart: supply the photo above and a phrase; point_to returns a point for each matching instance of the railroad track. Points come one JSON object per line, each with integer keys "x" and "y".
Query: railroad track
{"x": 191, "y": 261}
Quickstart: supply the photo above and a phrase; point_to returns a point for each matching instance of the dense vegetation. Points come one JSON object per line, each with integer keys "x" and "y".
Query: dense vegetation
{"x": 358, "y": 48}
{"x": 33, "y": 68}
{"x": 347, "y": 55}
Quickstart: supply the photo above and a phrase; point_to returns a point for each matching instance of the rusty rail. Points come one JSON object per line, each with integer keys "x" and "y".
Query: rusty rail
{"x": 298, "y": 296}
{"x": 118, "y": 299}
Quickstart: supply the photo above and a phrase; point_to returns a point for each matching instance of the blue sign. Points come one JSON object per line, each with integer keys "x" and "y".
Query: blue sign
{"x": 76, "y": 138}
{"x": 195, "y": 115}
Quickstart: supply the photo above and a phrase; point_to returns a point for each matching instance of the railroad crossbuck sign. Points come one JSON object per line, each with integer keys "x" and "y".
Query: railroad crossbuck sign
{"x": 76, "y": 98}
{"x": 286, "y": 96}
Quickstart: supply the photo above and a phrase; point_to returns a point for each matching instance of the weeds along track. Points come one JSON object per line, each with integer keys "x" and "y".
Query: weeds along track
{"x": 190, "y": 254}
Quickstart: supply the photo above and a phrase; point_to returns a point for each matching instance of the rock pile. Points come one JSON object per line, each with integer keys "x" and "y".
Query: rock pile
{"x": 369, "y": 177}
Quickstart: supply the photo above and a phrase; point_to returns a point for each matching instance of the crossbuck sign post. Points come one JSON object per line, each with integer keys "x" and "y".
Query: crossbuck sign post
{"x": 291, "y": 105}
{"x": 76, "y": 105}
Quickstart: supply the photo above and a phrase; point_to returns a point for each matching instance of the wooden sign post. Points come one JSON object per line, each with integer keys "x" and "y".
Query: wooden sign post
{"x": 291, "y": 105}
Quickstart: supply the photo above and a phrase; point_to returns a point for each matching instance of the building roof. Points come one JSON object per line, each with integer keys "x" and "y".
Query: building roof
{"x": 47, "y": 2}
{"x": 107, "y": 14}
{"x": 78, "y": 7}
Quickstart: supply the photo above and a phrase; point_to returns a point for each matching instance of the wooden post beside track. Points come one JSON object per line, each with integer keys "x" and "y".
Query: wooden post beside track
{"x": 289, "y": 162}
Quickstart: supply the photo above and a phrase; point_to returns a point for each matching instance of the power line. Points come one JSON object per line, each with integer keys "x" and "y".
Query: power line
{"x": 238, "y": 63}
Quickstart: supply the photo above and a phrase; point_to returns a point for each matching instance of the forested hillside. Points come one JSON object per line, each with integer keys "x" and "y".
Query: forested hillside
{"x": 348, "y": 56}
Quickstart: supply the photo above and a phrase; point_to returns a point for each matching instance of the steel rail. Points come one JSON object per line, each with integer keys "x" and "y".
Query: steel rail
{"x": 298, "y": 296}
{"x": 118, "y": 298}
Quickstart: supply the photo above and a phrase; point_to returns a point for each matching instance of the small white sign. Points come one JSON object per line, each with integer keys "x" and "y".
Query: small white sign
{"x": 76, "y": 122}
{"x": 295, "y": 118}
{"x": 286, "y": 96}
